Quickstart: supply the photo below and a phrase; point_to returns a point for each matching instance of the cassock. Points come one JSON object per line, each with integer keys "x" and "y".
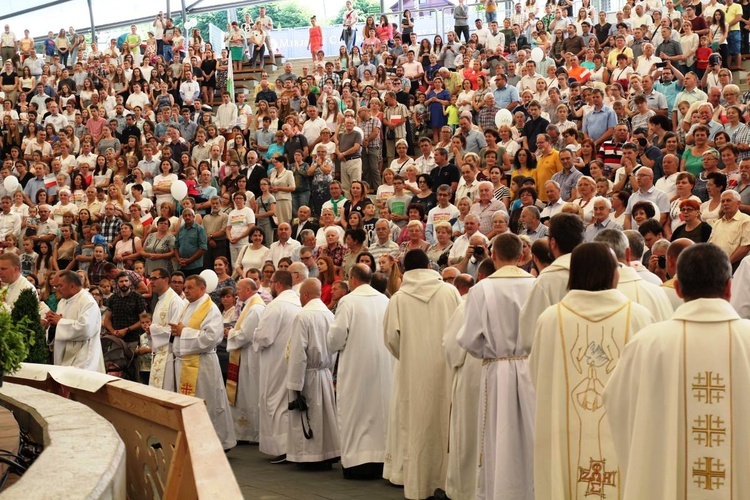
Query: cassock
{"x": 548, "y": 289}
{"x": 678, "y": 407}
{"x": 417, "y": 440}
{"x": 197, "y": 371}
{"x": 246, "y": 363}
{"x": 740, "y": 290}
{"x": 270, "y": 341}
{"x": 310, "y": 373}
{"x": 507, "y": 399}
{"x": 652, "y": 297}
{"x": 77, "y": 339}
{"x": 15, "y": 289}
{"x": 168, "y": 309}
{"x": 461, "y": 476}
{"x": 671, "y": 292}
{"x": 577, "y": 344}
{"x": 365, "y": 374}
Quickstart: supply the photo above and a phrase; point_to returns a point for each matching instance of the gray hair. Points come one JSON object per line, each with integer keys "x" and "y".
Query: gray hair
{"x": 636, "y": 242}
{"x": 616, "y": 240}
{"x": 604, "y": 200}
{"x": 662, "y": 244}
{"x": 306, "y": 233}
{"x": 533, "y": 211}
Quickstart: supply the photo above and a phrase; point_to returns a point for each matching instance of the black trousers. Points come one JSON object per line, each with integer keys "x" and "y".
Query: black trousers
{"x": 464, "y": 30}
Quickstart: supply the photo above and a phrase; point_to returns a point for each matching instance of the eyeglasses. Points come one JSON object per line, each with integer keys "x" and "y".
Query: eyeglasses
{"x": 154, "y": 278}
{"x": 687, "y": 210}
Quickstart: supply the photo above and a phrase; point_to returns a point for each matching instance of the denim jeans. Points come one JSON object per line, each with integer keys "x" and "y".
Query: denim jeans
{"x": 168, "y": 53}
{"x": 299, "y": 199}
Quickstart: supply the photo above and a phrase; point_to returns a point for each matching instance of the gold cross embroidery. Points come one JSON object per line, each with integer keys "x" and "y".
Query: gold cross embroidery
{"x": 708, "y": 388}
{"x": 709, "y": 473}
{"x": 596, "y": 477}
{"x": 709, "y": 431}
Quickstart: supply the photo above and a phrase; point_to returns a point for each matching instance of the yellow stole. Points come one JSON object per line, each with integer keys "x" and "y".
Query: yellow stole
{"x": 233, "y": 373}
{"x": 191, "y": 362}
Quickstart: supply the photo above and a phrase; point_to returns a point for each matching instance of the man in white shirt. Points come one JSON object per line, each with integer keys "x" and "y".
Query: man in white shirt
{"x": 426, "y": 162}
{"x": 285, "y": 246}
{"x": 189, "y": 89}
{"x": 226, "y": 114}
{"x": 647, "y": 192}
{"x": 54, "y": 118}
{"x": 313, "y": 126}
{"x": 137, "y": 98}
{"x": 444, "y": 211}
{"x": 667, "y": 184}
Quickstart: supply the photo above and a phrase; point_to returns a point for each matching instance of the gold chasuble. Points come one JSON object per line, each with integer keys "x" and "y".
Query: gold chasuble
{"x": 707, "y": 383}
{"x": 588, "y": 361}
{"x": 233, "y": 373}
{"x": 191, "y": 362}
{"x": 577, "y": 345}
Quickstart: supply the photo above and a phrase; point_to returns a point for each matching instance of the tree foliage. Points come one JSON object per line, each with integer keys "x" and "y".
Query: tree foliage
{"x": 363, "y": 7}
{"x": 27, "y": 306}
{"x": 284, "y": 14}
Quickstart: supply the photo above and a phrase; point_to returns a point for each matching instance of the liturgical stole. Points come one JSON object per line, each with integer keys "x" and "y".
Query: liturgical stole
{"x": 233, "y": 373}
{"x": 191, "y": 362}
{"x": 707, "y": 386}
{"x": 161, "y": 353}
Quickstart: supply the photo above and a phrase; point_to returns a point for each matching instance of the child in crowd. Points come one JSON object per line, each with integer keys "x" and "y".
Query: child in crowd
{"x": 143, "y": 351}
{"x": 28, "y": 258}
{"x": 11, "y": 244}
{"x": 451, "y": 111}
{"x": 32, "y": 221}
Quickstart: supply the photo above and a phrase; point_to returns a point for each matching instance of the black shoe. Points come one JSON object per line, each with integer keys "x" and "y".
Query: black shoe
{"x": 279, "y": 460}
{"x": 440, "y": 495}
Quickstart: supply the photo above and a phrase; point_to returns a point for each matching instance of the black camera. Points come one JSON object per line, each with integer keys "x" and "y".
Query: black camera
{"x": 478, "y": 251}
{"x": 662, "y": 261}
{"x": 299, "y": 404}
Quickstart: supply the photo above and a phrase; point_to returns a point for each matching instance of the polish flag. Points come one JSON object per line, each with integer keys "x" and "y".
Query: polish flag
{"x": 147, "y": 219}
{"x": 50, "y": 182}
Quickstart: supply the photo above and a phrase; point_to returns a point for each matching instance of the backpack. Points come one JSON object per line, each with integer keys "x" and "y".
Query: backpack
{"x": 118, "y": 358}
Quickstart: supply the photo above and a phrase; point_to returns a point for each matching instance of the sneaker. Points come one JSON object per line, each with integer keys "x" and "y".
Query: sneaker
{"x": 279, "y": 460}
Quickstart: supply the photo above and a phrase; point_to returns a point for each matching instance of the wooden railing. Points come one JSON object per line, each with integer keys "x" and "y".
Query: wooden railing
{"x": 172, "y": 448}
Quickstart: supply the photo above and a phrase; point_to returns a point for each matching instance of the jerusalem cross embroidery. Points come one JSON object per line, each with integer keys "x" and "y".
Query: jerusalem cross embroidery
{"x": 708, "y": 388}
{"x": 709, "y": 431}
{"x": 596, "y": 477}
{"x": 186, "y": 388}
{"x": 709, "y": 473}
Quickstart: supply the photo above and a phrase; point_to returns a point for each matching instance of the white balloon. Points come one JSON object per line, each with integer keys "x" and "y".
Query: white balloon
{"x": 503, "y": 117}
{"x": 537, "y": 55}
{"x": 212, "y": 280}
{"x": 10, "y": 183}
{"x": 179, "y": 190}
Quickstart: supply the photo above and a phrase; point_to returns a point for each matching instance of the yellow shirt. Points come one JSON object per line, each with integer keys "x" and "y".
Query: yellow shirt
{"x": 733, "y": 10}
{"x": 546, "y": 166}
{"x": 612, "y": 57}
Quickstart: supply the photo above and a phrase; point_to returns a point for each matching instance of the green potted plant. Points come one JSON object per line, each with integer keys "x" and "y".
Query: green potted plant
{"x": 13, "y": 345}
{"x": 27, "y": 306}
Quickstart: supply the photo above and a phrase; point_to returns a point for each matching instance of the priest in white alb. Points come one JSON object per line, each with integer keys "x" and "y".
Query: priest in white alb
{"x": 313, "y": 431}
{"x": 270, "y": 341}
{"x": 565, "y": 233}
{"x": 577, "y": 344}
{"x": 79, "y": 323}
{"x": 417, "y": 442}
{"x": 461, "y": 475}
{"x": 629, "y": 283}
{"x": 677, "y": 401}
{"x": 243, "y": 385}
{"x": 365, "y": 374}
{"x": 167, "y": 311}
{"x": 197, "y": 370}
{"x": 740, "y": 290}
{"x": 506, "y": 403}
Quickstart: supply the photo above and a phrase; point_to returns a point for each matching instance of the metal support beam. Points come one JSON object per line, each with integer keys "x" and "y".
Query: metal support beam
{"x": 192, "y": 5}
{"x": 91, "y": 18}
{"x": 184, "y": 18}
{"x": 33, "y": 9}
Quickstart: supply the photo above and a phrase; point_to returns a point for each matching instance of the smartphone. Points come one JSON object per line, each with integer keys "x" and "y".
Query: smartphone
{"x": 661, "y": 65}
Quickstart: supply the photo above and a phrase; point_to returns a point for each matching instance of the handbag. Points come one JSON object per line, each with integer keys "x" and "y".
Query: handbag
{"x": 273, "y": 219}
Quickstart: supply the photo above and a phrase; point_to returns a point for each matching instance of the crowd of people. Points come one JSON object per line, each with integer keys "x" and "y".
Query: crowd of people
{"x": 459, "y": 199}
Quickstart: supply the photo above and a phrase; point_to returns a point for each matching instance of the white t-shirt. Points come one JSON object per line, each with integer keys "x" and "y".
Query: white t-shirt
{"x": 238, "y": 222}
{"x": 163, "y": 179}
